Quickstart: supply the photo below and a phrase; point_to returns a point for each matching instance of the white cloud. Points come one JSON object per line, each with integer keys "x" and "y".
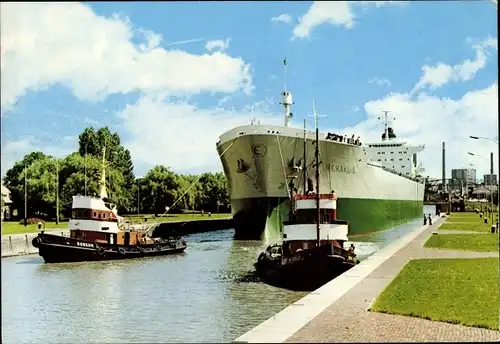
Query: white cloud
{"x": 442, "y": 73}
{"x": 95, "y": 56}
{"x": 430, "y": 120}
{"x": 285, "y": 18}
{"x": 163, "y": 131}
{"x": 379, "y": 81}
{"x": 217, "y": 44}
{"x": 15, "y": 150}
{"x": 339, "y": 13}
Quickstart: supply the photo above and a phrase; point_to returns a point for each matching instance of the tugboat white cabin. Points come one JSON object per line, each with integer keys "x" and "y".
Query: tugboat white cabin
{"x": 301, "y": 232}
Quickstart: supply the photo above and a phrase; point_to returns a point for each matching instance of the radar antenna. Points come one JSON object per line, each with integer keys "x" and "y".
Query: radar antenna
{"x": 386, "y": 125}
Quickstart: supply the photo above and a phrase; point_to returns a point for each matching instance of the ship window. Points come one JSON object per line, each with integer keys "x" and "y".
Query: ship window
{"x": 392, "y": 152}
{"x": 402, "y": 167}
{"x": 378, "y": 152}
{"x": 379, "y": 159}
{"x": 95, "y": 214}
{"x": 99, "y": 215}
{"x": 392, "y": 159}
{"x": 400, "y": 159}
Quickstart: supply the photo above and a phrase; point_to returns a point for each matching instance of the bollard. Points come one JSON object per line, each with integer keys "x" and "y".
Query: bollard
{"x": 10, "y": 244}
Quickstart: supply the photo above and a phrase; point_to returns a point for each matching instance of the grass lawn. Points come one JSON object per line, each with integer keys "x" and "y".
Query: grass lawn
{"x": 174, "y": 217}
{"x": 465, "y": 242}
{"x": 467, "y": 226}
{"x": 460, "y": 291}
{"x": 9, "y": 228}
{"x": 464, "y": 217}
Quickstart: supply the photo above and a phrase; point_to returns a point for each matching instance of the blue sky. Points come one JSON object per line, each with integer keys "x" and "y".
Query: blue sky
{"x": 171, "y": 77}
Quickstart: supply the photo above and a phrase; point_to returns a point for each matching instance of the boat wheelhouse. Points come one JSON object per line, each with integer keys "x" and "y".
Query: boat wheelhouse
{"x": 301, "y": 233}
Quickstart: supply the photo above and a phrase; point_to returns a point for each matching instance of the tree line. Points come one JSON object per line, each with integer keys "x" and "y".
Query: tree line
{"x": 79, "y": 173}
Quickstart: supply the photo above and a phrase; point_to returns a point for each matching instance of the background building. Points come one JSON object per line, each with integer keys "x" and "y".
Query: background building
{"x": 490, "y": 179}
{"x": 463, "y": 176}
{"x": 6, "y": 202}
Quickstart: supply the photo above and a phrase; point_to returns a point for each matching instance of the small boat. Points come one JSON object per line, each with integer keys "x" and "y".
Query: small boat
{"x": 97, "y": 232}
{"x": 312, "y": 249}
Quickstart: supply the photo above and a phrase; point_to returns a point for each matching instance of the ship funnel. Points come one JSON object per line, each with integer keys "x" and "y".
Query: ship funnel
{"x": 286, "y": 99}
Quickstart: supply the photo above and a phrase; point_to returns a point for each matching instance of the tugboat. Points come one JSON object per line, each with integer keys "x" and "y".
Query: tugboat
{"x": 312, "y": 250}
{"x": 97, "y": 232}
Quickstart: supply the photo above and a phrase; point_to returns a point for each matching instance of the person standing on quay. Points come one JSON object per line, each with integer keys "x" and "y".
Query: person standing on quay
{"x": 430, "y": 220}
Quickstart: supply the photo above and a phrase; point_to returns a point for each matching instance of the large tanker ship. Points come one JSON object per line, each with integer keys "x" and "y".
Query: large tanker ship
{"x": 377, "y": 183}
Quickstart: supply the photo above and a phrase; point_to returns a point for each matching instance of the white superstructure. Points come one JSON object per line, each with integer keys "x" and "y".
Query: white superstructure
{"x": 93, "y": 214}
{"x": 304, "y": 227}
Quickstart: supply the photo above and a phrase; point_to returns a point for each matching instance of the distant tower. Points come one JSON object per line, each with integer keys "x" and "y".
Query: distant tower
{"x": 491, "y": 163}
{"x": 444, "y": 166}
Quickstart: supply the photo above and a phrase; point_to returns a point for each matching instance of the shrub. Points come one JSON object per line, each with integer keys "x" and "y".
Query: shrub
{"x": 32, "y": 221}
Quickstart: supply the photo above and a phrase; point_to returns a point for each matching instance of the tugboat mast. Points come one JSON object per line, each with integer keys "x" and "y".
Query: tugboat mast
{"x": 316, "y": 158}
{"x": 102, "y": 182}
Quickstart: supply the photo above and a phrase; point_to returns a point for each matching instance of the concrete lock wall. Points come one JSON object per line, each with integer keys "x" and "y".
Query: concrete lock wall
{"x": 17, "y": 245}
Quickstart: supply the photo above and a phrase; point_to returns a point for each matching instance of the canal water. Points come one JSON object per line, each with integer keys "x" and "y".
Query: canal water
{"x": 203, "y": 295}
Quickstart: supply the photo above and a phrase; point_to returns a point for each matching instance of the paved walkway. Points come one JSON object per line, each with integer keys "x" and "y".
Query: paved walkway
{"x": 347, "y": 319}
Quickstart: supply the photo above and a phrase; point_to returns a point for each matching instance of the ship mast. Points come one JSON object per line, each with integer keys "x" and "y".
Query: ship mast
{"x": 286, "y": 99}
{"x": 316, "y": 158}
{"x": 386, "y": 124}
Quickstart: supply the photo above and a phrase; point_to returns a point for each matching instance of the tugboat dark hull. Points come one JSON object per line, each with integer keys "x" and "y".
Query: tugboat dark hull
{"x": 59, "y": 249}
{"x": 302, "y": 273}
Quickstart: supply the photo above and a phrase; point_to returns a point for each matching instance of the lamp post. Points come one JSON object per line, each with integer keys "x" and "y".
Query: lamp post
{"x": 25, "y": 196}
{"x": 56, "y": 163}
{"x": 497, "y": 142}
{"x": 490, "y": 210}
{"x": 138, "y": 197}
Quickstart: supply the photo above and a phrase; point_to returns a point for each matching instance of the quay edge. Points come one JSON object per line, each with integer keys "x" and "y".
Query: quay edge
{"x": 281, "y": 326}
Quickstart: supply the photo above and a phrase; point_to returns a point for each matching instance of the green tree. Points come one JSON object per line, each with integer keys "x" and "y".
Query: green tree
{"x": 32, "y": 165}
{"x": 191, "y": 192}
{"x": 81, "y": 176}
{"x": 214, "y": 192}
{"x": 91, "y": 143}
{"x": 161, "y": 189}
